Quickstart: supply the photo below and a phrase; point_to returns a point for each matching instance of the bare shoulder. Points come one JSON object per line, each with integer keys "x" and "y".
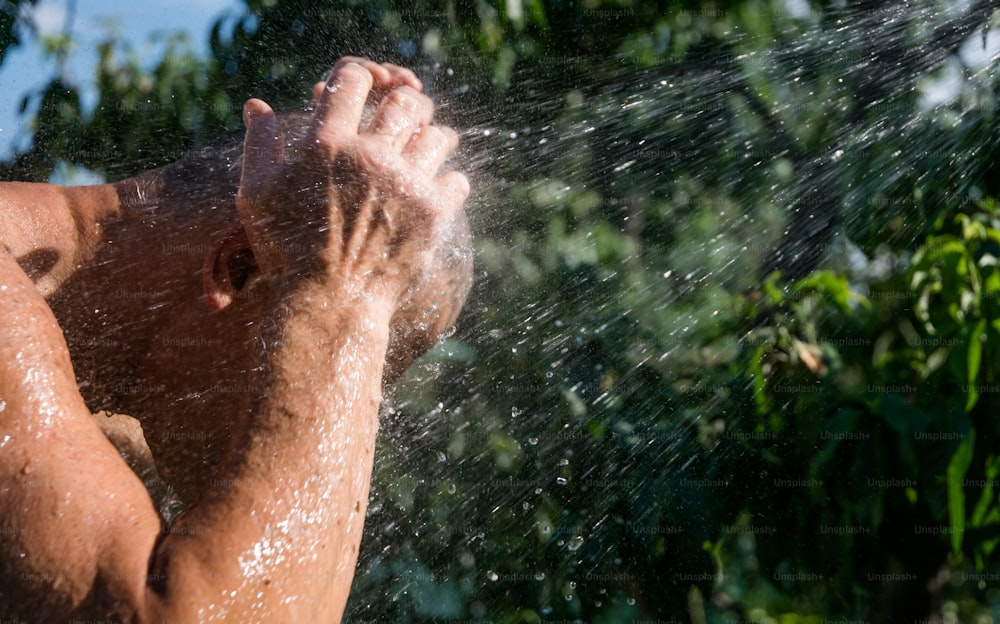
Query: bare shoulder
{"x": 49, "y": 230}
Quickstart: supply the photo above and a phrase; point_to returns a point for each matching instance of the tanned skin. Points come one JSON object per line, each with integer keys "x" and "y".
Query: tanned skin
{"x": 327, "y": 265}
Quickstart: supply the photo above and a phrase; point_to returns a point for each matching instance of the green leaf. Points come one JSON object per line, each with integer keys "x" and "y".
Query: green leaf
{"x": 974, "y": 358}
{"x": 772, "y": 290}
{"x": 831, "y": 286}
{"x": 957, "y": 469}
{"x": 981, "y": 512}
{"x": 901, "y": 416}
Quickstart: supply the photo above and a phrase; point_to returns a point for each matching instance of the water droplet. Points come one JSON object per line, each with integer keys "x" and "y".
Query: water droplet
{"x": 574, "y": 545}
{"x": 532, "y": 441}
{"x": 539, "y": 576}
{"x": 515, "y": 412}
{"x": 561, "y": 480}
{"x": 493, "y": 576}
{"x": 452, "y": 489}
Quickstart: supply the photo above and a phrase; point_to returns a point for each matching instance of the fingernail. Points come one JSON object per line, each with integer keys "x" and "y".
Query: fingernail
{"x": 248, "y": 114}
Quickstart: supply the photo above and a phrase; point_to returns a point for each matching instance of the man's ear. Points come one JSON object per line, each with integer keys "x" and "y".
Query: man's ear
{"x": 228, "y": 265}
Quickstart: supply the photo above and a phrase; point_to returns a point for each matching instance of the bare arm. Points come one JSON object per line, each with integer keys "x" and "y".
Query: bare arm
{"x": 309, "y": 444}
{"x": 276, "y": 537}
{"x": 50, "y": 230}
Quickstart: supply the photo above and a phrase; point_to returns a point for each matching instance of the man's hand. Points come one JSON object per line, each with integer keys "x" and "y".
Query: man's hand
{"x": 371, "y": 198}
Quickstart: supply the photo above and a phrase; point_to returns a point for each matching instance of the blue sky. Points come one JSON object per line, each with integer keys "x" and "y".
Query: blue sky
{"x": 25, "y": 70}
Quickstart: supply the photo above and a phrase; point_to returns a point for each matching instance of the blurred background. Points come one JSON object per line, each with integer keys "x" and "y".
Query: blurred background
{"x": 732, "y": 353}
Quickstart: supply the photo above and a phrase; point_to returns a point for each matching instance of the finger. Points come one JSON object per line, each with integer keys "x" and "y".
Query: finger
{"x": 386, "y": 75}
{"x": 453, "y": 190}
{"x": 400, "y": 113}
{"x": 339, "y": 110}
{"x": 429, "y": 147}
{"x": 263, "y": 148}
{"x": 318, "y": 90}
{"x": 401, "y": 76}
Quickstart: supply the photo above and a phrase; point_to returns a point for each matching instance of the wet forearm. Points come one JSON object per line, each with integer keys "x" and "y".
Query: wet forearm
{"x": 308, "y": 442}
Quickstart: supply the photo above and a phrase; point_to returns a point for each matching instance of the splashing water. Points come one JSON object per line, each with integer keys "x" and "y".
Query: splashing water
{"x": 616, "y": 218}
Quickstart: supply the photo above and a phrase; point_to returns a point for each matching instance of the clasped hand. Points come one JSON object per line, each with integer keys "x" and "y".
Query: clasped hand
{"x": 369, "y": 197}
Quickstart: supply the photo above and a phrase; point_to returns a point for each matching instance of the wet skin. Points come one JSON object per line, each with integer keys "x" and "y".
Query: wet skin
{"x": 250, "y": 336}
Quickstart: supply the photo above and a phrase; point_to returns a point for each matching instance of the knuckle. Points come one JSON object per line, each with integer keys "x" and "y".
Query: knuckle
{"x": 375, "y": 152}
{"x": 408, "y": 98}
{"x": 403, "y": 97}
{"x": 449, "y": 137}
{"x": 352, "y": 73}
{"x": 433, "y": 135}
{"x": 324, "y": 144}
{"x": 458, "y": 183}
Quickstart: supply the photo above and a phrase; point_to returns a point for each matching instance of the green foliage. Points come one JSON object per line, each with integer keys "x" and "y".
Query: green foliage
{"x": 955, "y": 278}
{"x": 910, "y": 430}
{"x": 958, "y": 285}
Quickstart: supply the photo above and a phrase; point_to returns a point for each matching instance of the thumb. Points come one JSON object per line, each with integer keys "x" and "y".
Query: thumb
{"x": 263, "y": 156}
{"x": 263, "y": 148}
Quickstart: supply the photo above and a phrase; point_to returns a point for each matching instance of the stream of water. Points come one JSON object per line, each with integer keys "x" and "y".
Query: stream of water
{"x": 570, "y": 428}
